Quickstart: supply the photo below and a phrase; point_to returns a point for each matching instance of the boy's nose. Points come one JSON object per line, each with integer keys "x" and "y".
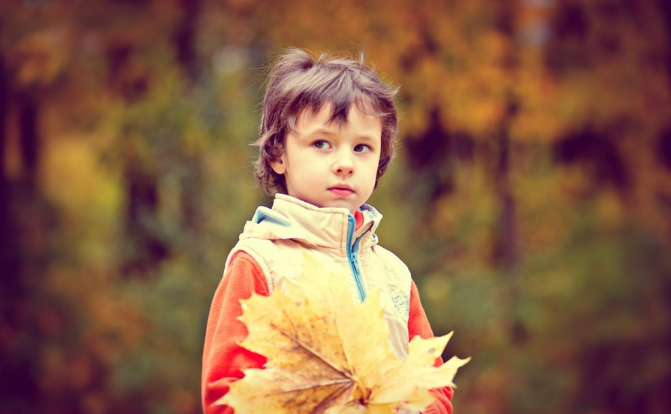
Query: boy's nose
{"x": 343, "y": 164}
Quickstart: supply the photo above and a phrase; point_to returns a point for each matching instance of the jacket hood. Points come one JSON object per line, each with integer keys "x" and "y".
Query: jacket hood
{"x": 294, "y": 219}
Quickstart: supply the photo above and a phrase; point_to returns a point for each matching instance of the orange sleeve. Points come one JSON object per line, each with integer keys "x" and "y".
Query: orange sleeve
{"x": 418, "y": 324}
{"x": 223, "y": 358}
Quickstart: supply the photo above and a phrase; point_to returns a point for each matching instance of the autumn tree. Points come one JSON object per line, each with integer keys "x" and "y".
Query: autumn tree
{"x": 108, "y": 113}
{"x": 530, "y": 197}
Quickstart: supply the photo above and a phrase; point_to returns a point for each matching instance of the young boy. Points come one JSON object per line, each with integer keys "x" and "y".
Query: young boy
{"x": 327, "y": 132}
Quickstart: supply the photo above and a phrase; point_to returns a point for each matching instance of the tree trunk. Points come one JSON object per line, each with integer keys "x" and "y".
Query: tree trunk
{"x": 29, "y": 140}
{"x": 21, "y": 219}
{"x": 8, "y": 257}
{"x": 507, "y": 244}
{"x": 145, "y": 249}
{"x": 184, "y": 38}
{"x": 191, "y": 182}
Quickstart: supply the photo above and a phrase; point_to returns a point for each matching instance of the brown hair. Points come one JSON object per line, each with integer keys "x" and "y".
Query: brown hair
{"x": 298, "y": 82}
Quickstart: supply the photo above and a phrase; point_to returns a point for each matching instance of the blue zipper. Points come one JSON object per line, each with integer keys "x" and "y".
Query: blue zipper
{"x": 353, "y": 259}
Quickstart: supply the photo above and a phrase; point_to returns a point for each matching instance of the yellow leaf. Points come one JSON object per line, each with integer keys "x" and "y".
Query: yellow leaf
{"x": 328, "y": 354}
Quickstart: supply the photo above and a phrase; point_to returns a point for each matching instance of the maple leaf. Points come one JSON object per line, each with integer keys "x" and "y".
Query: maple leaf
{"x": 328, "y": 354}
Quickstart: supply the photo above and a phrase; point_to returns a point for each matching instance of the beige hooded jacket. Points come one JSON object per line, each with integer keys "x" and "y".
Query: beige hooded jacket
{"x": 279, "y": 238}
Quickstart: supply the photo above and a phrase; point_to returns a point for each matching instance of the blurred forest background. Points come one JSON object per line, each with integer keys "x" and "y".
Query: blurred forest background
{"x": 531, "y": 197}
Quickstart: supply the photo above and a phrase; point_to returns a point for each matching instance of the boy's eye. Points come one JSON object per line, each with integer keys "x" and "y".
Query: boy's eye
{"x": 321, "y": 144}
{"x": 362, "y": 148}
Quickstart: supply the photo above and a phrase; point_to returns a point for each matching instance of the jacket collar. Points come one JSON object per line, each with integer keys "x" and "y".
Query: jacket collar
{"x": 294, "y": 219}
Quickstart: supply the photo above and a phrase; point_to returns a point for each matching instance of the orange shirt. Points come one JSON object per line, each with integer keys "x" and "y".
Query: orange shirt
{"x": 224, "y": 360}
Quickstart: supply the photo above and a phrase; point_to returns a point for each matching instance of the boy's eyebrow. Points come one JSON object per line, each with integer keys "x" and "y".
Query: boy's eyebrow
{"x": 324, "y": 130}
{"x": 334, "y": 131}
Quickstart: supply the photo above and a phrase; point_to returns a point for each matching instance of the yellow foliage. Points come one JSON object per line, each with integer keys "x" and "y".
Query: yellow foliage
{"x": 328, "y": 354}
{"x": 74, "y": 178}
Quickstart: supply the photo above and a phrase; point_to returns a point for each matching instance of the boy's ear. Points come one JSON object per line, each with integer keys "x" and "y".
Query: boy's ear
{"x": 278, "y": 166}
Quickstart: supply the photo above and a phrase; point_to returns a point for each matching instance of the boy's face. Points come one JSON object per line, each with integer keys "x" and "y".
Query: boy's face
{"x": 332, "y": 165}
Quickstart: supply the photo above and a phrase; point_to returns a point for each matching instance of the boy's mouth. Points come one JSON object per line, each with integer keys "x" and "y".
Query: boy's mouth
{"x": 341, "y": 190}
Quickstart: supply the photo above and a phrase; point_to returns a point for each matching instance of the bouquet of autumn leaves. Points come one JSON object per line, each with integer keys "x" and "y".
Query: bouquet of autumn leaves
{"x": 327, "y": 354}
